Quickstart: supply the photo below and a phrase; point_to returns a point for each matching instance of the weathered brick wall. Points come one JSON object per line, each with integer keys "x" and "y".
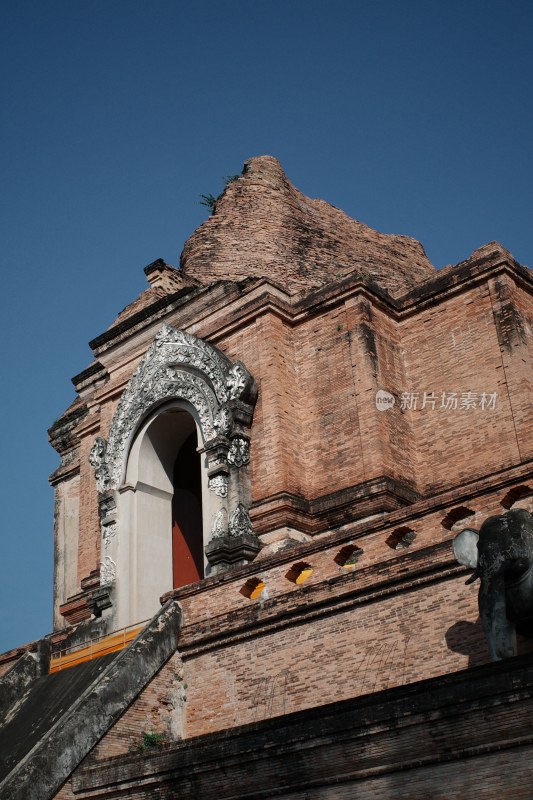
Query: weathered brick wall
{"x": 453, "y": 347}
{"x": 327, "y": 410}
{"x": 277, "y": 462}
{"x": 348, "y": 311}
{"x": 320, "y": 357}
{"x": 459, "y": 736}
{"x": 224, "y": 597}
{"x": 488, "y": 777}
{"x": 378, "y": 363}
{"x": 513, "y": 312}
{"x": 263, "y": 226}
{"x": 396, "y": 618}
{"x": 65, "y": 793}
{"x": 159, "y": 709}
{"x": 343, "y": 655}
{"x": 89, "y": 539}
{"x": 316, "y": 428}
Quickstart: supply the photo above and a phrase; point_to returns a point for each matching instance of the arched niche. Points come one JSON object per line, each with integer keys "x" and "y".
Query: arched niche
{"x": 183, "y": 386}
{"x": 166, "y": 505}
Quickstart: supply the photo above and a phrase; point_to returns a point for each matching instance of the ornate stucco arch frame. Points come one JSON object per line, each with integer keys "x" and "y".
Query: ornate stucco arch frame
{"x": 181, "y": 367}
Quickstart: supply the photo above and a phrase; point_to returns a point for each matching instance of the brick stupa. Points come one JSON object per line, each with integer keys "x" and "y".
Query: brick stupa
{"x": 255, "y": 589}
{"x": 263, "y": 226}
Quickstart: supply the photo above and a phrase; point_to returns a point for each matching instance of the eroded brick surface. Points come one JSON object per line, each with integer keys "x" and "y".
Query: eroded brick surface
{"x": 263, "y": 226}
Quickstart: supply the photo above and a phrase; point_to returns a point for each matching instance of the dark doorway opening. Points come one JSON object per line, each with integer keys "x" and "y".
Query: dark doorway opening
{"x": 187, "y": 528}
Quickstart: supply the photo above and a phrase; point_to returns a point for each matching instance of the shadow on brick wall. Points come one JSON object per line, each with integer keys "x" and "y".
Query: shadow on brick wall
{"x": 468, "y": 639}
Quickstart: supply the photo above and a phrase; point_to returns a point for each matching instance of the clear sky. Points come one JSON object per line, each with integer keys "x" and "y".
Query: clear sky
{"x": 415, "y": 117}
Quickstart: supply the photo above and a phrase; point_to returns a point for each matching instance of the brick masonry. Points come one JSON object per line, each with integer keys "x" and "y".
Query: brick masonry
{"x": 461, "y": 736}
{"x": 319, "y": 363}
{"x": 324, "y": 312}
{"x": 263, "y": 225}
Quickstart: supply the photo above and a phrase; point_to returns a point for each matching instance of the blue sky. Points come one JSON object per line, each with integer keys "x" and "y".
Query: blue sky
{"x": 414, "y": 117}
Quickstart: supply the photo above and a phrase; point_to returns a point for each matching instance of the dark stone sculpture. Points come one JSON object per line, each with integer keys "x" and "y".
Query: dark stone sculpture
{"x": 501, "y": 555}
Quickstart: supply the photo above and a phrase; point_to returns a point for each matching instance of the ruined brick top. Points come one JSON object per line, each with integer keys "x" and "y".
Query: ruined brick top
{"x": 263, "y": 226}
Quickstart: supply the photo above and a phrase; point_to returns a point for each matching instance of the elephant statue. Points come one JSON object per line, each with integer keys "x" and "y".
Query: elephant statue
{"x": 501, "y": 555}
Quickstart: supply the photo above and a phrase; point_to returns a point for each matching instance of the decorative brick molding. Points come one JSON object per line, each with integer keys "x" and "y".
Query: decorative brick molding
{"x": 339, "y": 507}
{"x": 229, "y": 550}
{"x": 78, "y": 607}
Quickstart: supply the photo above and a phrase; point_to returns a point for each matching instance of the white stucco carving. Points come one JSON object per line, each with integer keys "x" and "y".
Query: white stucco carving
{"x": 220, "y": 523}
{"x": 223, "y": 421}
{"x": 177, "y": 365}
{"x": 240, "y": 523}
{"x": 108, "y": 571}
{"x": 239, "y": 452}
{"x": 108, "y": 532}
{"x": 97, "y": 460}
{"x": 219, "y": 485}
{"x": 237, "y": 380}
